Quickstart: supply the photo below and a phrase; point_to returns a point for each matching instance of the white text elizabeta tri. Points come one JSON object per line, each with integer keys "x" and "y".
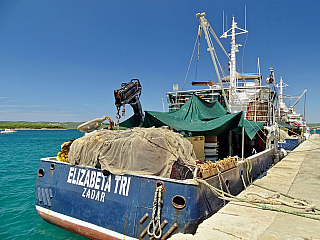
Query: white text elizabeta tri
{"x": 96, "y": 185}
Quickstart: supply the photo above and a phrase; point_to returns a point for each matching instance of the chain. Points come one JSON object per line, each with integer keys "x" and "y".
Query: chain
{"x": 118, "y": 114}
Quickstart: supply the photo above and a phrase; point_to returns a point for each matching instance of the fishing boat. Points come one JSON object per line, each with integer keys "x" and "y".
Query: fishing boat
{"x": 293, "y": 128}
{"x": 143, "y": 183}
{"x": 8, "y": 131}
{"x": 98, "y": 204}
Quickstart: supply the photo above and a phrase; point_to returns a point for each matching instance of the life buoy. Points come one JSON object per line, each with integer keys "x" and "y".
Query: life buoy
{"x": 296, "y": 124}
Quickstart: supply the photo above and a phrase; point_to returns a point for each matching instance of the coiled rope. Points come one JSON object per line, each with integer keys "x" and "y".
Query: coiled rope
{"x": 221, "y": 179}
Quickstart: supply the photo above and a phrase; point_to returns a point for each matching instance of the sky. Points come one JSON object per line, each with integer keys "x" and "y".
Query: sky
{"x": 62, "y": 60}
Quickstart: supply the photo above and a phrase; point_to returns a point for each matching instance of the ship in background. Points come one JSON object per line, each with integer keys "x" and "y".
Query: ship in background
{"x": 8, "y": 131}
{"x": 243, "y": 92}
{"x": 289, "y": 114}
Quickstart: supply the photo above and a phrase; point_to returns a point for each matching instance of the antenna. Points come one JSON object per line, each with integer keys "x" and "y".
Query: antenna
{"x": 222, "y": 21}
{"x": 226, "y": 22}
{"x": 162, "y": 105}
{"x": 258, "y": 66}
{"x": 245, "y": 17}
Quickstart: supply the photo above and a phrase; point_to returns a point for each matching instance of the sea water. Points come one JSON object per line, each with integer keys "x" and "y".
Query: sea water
{"x": 20, "y": 153}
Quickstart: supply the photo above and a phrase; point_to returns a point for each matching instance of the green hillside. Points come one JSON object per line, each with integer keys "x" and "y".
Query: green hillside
{"x": 313, "y": 125}
{"x": 66, "y": 125}
{"x": 42, "y": 125}
{"x": 30, "y": 125}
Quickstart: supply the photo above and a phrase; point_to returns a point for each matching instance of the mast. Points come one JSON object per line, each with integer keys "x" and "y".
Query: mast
{"x": 233, "y": 65}
{"x": 234, "y": 49}
{"x": 204, "y": 25}
{"x": 281, "y": 105}
{"x": 280, "y": 97}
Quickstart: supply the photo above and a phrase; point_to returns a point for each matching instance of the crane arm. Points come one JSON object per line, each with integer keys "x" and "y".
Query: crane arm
{"x": 304, "y": 92}
{"x": 129, "y": 93}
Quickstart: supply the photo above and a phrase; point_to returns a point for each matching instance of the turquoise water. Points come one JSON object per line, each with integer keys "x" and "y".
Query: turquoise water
{"x": 20, "y": 154}
{"x": 314, "y": 131}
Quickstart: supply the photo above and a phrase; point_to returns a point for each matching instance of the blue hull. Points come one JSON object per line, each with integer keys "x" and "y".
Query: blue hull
{"x": 289, "y": 144}
{"x": 83, "y": 200}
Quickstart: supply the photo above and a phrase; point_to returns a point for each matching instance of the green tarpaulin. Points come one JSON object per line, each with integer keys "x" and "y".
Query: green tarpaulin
{"x": 197, "y": 109}
{"x": 199, "y": 117}
{"x": 250, "y": 127}
{"x": 133, "y": 121}
{"x": 214, "y": 127}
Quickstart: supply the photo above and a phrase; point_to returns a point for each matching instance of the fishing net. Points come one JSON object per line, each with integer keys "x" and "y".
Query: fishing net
{"x": 144, "y": 151}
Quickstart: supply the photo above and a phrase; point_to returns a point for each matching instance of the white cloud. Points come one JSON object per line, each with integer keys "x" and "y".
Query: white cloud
{"x": 9, "y": 106}
{"x": 22, "y": 106}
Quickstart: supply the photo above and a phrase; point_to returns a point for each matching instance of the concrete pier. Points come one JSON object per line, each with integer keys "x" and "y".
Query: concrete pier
{"x": 297, "y": 175}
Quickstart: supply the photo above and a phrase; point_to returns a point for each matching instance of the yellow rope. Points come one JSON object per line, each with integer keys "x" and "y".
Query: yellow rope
{"x": 249, "y": 169}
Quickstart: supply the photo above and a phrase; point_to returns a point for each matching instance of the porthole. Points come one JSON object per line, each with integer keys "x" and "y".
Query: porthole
{"x": 52, "y": 166}
{"x": 40, "y": 172}
{"x": 179, "y": 202}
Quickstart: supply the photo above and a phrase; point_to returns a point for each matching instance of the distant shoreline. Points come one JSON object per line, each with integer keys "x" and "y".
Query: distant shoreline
{"x": 42, "y": 129}
{"x": 38, "y": 125}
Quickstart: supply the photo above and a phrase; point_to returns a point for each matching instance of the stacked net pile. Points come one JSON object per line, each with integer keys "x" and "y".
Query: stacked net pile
{"x": 145, "y": 151}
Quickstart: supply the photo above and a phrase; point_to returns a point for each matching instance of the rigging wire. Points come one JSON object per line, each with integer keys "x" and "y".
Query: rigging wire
{"x": 195, "y": 44}
{"x": 214, "y": 51}
{"x": 244, "y": 47}
{"x": 198, "y": 55}
{"x": 195, "y": 75}
{"x": 218, "y": 41}
{"x": 221, "y": 71}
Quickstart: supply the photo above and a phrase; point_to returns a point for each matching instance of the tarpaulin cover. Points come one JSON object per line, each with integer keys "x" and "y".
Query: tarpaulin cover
{"x": 214, "y": 127}
{"x": 133, "y": 121}
{"x": 250, "y": 127}
{"x": 200, "y": 118}
{"x": 146, "y": 151}
{"x": 194, "y": 109}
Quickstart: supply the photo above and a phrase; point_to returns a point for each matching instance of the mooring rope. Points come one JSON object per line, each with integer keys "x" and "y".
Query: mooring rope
{"x": 285, "y": 195}
{"x": 221, "y": 194}
{"x": 155, "y": 222}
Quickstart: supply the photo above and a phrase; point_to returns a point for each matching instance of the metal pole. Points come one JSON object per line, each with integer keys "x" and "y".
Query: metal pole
{"x": 242, "y": 147}
{"x": 162, "y": 105}
{"x": 203, "y": 23}
{"x": 230, "y": 143}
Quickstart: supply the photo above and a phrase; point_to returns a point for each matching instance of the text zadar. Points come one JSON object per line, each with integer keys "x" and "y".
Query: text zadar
{"x": 96, "y": 184}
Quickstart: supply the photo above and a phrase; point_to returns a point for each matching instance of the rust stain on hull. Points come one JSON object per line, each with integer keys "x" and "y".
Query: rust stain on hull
{"x": 75, "y": 228}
